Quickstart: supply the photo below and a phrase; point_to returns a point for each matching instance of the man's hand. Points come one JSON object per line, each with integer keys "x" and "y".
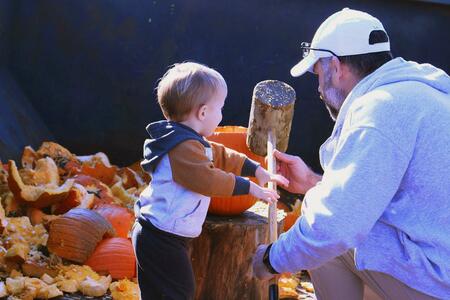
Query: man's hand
{"x": 264, "y": 177}
{"x": 260, "y": 270}
{"x": 301, "y": 177}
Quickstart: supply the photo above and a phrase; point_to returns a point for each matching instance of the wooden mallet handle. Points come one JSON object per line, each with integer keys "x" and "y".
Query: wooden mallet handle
{"x": 273, "y": 232}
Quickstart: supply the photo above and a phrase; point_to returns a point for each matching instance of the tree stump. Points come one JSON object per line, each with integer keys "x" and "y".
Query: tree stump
{"x": 222, "y": 255}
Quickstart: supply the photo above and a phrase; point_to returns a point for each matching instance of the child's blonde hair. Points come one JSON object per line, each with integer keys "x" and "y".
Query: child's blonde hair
{"x": 187, "y": 86}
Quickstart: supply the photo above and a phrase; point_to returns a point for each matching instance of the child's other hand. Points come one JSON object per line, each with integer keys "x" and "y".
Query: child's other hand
{"x": 267, "y": 195}
{"x": 264, "y": 176}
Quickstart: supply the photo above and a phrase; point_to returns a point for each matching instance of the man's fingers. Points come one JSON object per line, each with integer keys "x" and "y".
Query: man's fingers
{"x": 283, "y": 156}
{"x": 280, "y": 179}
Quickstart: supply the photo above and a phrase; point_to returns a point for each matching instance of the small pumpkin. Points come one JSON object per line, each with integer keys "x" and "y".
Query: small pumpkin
{"x": 75, "y": 235}
{"x": 233, "y": 137}
{"x": 121, "y": 218}
{"x": 36, "y": 196}
{"x": 114, "y": 256}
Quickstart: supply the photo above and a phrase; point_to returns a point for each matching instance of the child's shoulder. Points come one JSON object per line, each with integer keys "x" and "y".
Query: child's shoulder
{"x": 191, "y": 147}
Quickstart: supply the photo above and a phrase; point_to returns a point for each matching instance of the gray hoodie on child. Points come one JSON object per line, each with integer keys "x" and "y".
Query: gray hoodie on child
{"x": 385, "y": 190}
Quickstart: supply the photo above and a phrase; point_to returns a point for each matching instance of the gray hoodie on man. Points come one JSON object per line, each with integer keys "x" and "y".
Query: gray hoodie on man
{"x": 385, "y": 190}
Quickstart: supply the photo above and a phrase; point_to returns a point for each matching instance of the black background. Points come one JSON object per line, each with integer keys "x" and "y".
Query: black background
{"x": 83, "y": 72}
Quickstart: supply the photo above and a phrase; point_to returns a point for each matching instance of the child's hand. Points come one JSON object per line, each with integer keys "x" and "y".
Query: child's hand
{"x": 264, "y": 176}
{"x": 267, "y": 195}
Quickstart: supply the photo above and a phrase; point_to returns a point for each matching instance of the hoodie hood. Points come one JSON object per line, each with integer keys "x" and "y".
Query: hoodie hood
{"x": 397, "y": 70}
{"x": 164, "y": 136}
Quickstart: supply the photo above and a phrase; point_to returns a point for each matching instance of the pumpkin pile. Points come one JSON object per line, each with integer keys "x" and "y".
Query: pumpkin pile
{"x": 65, "y": 221}
{"x": 64, "y": 225}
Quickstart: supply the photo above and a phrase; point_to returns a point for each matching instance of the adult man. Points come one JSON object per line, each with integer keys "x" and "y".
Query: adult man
{"x": 380, "y": 214}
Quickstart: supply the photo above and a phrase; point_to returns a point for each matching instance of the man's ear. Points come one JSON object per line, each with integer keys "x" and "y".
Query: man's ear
{"x": 337, "y": 70}
{"x": 201, "y": 112}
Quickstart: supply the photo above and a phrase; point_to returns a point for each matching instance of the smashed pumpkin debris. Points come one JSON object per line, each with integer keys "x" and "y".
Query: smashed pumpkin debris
{"x": 60, "y": 210}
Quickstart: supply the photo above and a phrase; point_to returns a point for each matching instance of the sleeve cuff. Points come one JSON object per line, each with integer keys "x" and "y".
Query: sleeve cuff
{"x": 249, "y": 168}
{"x": 266, "y": 261}
{"x": 276, "y": 260}
{"x": 241, "y": 186}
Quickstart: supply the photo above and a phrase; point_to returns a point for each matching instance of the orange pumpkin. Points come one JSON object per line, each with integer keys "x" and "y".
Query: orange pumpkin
{"x": 121, "y": 218}
{"x": 114, "y": 256}
{"x": 75, "y": 235}
{"x": 233, "y": 137}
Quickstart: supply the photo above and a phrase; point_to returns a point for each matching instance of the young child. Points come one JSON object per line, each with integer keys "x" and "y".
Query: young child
{"x": 186, "y": 171}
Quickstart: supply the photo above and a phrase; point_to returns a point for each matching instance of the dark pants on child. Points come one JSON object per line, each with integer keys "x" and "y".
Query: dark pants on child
{"x": 164, "y": 269}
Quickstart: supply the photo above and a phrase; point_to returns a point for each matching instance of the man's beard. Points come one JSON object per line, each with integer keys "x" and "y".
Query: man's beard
{"x": 332, "y": 97}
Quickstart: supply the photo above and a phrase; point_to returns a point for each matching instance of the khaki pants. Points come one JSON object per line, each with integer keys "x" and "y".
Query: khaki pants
{"x": 339, "y": 279}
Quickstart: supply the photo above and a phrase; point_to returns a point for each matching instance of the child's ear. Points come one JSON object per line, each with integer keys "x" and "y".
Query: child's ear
{"x": 201, "y": 113}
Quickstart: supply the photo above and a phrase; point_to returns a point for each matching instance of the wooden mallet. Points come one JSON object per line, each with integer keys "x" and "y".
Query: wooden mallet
{"x": 268, "y": 129}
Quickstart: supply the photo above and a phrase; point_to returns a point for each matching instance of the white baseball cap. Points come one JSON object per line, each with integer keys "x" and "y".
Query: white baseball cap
{"x": 344, "y": 33}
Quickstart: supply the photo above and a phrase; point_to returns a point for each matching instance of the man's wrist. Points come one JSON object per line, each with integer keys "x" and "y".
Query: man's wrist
{"x": 266, "y": 260}
{"x": 313, "y": 178}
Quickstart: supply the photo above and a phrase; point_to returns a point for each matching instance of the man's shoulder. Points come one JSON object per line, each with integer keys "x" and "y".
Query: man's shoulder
{"x": 373, "y": 103}
{"x": 383, "y": 108}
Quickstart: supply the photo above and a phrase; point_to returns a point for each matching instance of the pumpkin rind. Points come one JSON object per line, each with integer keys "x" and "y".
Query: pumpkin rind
{"x": 130, "y": 178}
{"x": 136, "y": 167}
{"x": 75, "y": 235}
{"x": 102, "y": 193}
{"x": 36, "y": 196}
{"x": 66, "y": 161}
{"x": 29, "y": 157}
{"x": 103, "y": 173}
{"x": 78, "y": 197}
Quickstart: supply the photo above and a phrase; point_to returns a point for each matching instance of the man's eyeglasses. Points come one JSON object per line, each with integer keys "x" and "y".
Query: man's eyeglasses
{"x": 306, "y": 48}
